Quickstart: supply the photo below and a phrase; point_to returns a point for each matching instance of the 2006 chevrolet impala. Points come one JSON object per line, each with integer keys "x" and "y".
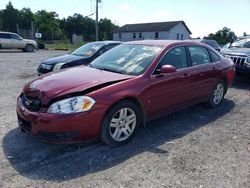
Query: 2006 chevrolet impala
{"x": 122, "y": 89}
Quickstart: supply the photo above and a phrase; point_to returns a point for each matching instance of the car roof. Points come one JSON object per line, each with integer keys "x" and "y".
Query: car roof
{"x": 165, "y": 43}
{"x": 7, "y": 32}
{"x": 106, "y": 42}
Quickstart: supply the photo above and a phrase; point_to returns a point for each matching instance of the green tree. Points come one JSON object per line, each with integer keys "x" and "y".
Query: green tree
{"x": 48, "y": 24}
{"x": 80, "y": 25}
{"x": 106, "y": 29}
{"x": 10, "y": 18}
{"x": 26, "y": 16}
{"x": 223, "y": 36}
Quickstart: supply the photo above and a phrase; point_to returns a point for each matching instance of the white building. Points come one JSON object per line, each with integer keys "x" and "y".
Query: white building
{"x": 176, "y": 30}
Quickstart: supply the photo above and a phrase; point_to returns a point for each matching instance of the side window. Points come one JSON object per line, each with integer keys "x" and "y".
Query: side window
{"x": 181, "y": 36}
{"x": 156, "y": 35}
{"x": 177, "y": 36}
{"x": 106, "y": 48}
{"x": 214, "y": 56}
{"x": 176, "y": 57}
{"x": 134, "y": 35}
{"x": 246, "y": 45}
{"x": 14, "y": 37}
{"x": 140, "y": 35}
{"x": 4, "y": 36}
{"x": 199, "y": 55}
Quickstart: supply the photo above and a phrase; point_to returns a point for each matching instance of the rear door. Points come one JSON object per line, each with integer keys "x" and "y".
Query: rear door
{"x": 169, "y": 91}
{"x": 204, "y": 71}
{"x": 5, "y": 40}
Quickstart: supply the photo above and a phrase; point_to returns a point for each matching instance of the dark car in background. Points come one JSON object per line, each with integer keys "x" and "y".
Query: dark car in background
{"x": 81, "y": 56}
{"x": 210, "y": 42}
{"x": 239, "y": 52}
{"x": 127, "y": 86}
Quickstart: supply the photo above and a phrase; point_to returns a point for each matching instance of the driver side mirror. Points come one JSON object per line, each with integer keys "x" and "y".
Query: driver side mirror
{"x": 166, "y": 69}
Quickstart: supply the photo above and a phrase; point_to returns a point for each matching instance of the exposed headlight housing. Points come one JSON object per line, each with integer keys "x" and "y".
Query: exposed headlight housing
{"x": 46, "y": 66}
{"x": 72, "y": 105}
{"x": 58, "y": 66}
{"x": 248, "y": 59}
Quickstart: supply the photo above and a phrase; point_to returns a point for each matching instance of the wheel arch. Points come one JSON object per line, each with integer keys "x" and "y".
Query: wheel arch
{"x": 225, "y": 80}
{"x": 138, "y": 103}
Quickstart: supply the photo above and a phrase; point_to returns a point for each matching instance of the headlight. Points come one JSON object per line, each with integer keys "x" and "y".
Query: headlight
{"x": 72, "y": 105}
{"x": 46, "y": 66}
{"x": 248, "y": 59}
{"x": 58, "y": 66}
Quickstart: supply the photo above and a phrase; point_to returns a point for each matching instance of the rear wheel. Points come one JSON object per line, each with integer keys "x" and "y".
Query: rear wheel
{"x": 120, "y": 124}
{"x": 29, "y": 48}
{"x": 218, "y": 94}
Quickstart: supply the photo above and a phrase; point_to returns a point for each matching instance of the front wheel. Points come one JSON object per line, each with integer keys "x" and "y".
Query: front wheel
{"x": 29, "y": 48}
{"x": 218, "y": 94}
{"x": 120, "y": 124}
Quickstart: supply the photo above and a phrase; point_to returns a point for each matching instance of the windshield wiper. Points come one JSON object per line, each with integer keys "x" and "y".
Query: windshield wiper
{"x": 236, "y": 47}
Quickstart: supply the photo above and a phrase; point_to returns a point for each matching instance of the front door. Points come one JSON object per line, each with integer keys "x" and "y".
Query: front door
{"x": 17, "y": 42}
{"x": 169, "y": 91}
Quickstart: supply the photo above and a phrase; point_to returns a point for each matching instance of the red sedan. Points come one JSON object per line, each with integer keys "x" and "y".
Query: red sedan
{"x": 122, "y": 89}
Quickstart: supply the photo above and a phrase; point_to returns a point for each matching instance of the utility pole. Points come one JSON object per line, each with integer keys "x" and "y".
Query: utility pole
{"x": 96, "y": 21}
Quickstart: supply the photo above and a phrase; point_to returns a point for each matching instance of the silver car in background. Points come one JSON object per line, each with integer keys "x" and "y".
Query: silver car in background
{"x": 239, "y": 52}
{"x": 13, "y": 41}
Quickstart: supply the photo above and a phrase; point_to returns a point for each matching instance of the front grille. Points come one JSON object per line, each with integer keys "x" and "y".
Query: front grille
{"x": 32, "y": 104}
{"x": 238, "y": 59}
{"x": 43, "y": 71}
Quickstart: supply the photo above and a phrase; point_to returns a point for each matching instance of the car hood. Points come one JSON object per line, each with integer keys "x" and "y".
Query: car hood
{"x": 236, "y": 51}
{"x": 64, "y": 59}
{"x": 69, "y": 81}
{"x": 29, "y": 41}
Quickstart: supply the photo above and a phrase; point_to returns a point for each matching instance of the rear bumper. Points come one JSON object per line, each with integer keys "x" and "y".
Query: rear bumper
{"x": 60, "y": 128}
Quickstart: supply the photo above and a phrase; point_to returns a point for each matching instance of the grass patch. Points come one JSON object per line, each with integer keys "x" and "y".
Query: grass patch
{"x": 63, "y": 46}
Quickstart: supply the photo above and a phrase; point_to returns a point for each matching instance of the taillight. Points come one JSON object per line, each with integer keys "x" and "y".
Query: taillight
{"x": 230, "y": 73}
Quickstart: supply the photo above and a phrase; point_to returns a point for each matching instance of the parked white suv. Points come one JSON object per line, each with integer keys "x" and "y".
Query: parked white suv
{"x": 11, "y": 40}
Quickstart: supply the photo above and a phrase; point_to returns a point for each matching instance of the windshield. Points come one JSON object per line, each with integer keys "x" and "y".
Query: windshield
{"x": 88, "y": 49}
{"x": 243, "y": 43}
{"x": 127, "y": 59}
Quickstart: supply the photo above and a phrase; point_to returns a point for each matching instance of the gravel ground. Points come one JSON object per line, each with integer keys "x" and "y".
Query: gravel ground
{"x": 196, "y": 147}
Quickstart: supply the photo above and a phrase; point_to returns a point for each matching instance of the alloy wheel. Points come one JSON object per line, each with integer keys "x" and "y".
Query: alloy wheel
{"x": 122, "y": 124}
{"x": 218, "y": 93}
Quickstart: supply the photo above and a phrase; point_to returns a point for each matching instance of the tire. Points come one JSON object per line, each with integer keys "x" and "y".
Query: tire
{"x": 120, "y": 124}
{"x": 217, "y": 95}
{"x": 29, "y": 48}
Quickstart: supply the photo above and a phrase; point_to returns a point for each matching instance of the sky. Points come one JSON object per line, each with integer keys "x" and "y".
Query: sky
{"x": 201, "y": 16}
